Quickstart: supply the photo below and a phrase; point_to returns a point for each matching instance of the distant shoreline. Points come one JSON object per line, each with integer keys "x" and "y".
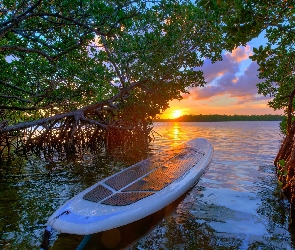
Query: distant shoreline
{"x": 222, "y": 118}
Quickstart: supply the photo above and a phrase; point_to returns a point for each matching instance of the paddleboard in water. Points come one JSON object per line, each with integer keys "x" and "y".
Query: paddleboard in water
{"x": 135, "y": 192}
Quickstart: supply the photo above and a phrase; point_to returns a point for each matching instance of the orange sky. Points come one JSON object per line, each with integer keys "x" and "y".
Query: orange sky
{"x": 231, "y": 88}
{"x": 220, "y": 105}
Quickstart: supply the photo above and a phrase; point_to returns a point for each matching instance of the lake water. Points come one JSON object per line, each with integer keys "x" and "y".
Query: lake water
{"x": 236, "y": 205}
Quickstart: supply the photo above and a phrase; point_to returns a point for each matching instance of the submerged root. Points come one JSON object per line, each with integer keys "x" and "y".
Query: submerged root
{"x": 73, "y": 135}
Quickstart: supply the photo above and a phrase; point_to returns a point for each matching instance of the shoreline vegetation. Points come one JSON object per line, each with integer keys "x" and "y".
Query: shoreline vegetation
{"x": 222, "y": 118}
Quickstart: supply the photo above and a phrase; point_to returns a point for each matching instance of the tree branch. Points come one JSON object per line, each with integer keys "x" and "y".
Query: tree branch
{"x": 34, "y": 39}
{"x": 90, "y": 121}
{"x": 15, "y": 21}
{"x": 15, "y": 87}
{"x": 81, "y": 42}
{"x": 71, "y": 20}
{"x": 17, "y": 108}
{"x": 28, "y": 50}
{"x": 10, "y": 24}
{"x": 30, "y": 9}
{"x": 15, "y": 97}
{"x": 122, "y": 80}
{"x": 78, "y": 112}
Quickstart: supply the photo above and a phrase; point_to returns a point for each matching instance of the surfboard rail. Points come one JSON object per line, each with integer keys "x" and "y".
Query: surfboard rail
{"x": 135, "y": 192}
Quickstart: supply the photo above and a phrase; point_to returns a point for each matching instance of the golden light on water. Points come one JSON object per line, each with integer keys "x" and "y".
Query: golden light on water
{"x": 176, "y": 132}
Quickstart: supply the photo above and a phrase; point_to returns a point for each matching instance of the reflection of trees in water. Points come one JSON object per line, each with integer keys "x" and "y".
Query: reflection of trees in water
{"x": 193, "y": 235}
{"x": 189, "y": 235}
{"x": 23, "y": 203}
{"x": 32, "y": 188}
{"x": 185, "y": 231}
{"x": 274, "y": 207}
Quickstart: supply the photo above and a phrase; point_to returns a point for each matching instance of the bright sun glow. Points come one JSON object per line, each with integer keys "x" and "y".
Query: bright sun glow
{"x": 176, "y": 113}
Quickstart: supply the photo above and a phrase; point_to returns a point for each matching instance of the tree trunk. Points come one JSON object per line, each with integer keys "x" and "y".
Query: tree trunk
{"x": 285, "y": 162}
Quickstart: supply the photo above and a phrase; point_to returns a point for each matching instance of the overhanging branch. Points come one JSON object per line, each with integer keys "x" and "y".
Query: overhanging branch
{"x": 79, "y": 113}
{"x": 27, "y": 50}
{"x": 15, "y": 97}
{"x": 17, "y": 108}
{"x": 16, "y": 87}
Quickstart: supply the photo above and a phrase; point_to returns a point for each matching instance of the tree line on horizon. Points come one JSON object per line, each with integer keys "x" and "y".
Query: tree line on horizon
{"x": 221, "y": 118}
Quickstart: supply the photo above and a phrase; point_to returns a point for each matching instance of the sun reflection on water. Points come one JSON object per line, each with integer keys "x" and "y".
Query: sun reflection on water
{"x": 176, "y": 131}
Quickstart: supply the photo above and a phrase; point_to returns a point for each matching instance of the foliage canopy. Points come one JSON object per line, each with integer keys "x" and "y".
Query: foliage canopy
{"x": 59, "y": 56}
{"x": 119, "y": 63}
{"x": 242, "y": 20}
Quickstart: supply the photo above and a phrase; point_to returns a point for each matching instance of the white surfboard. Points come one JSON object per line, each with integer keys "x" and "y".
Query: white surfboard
{"x": 135, "y": 192}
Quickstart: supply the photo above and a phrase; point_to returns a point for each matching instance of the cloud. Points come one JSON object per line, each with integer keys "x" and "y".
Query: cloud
{"x": 207, "y": 92}
{"x": 230, "y": 77}
{"x": 241, "y": 53}
{"x": 218, "y": 69}
{"x": 248, "y": 99}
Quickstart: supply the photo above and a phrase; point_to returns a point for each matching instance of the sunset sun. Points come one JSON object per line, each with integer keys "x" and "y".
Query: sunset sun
{"x": 176, "y": 113}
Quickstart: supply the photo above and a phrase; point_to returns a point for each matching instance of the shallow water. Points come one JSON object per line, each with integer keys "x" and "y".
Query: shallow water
{"x": 236, "y": 205}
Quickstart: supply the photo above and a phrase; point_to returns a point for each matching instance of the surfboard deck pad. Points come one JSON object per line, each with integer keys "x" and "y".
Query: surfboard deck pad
{"x": 150, "y": 175}
{"x": 135, "y": 192}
